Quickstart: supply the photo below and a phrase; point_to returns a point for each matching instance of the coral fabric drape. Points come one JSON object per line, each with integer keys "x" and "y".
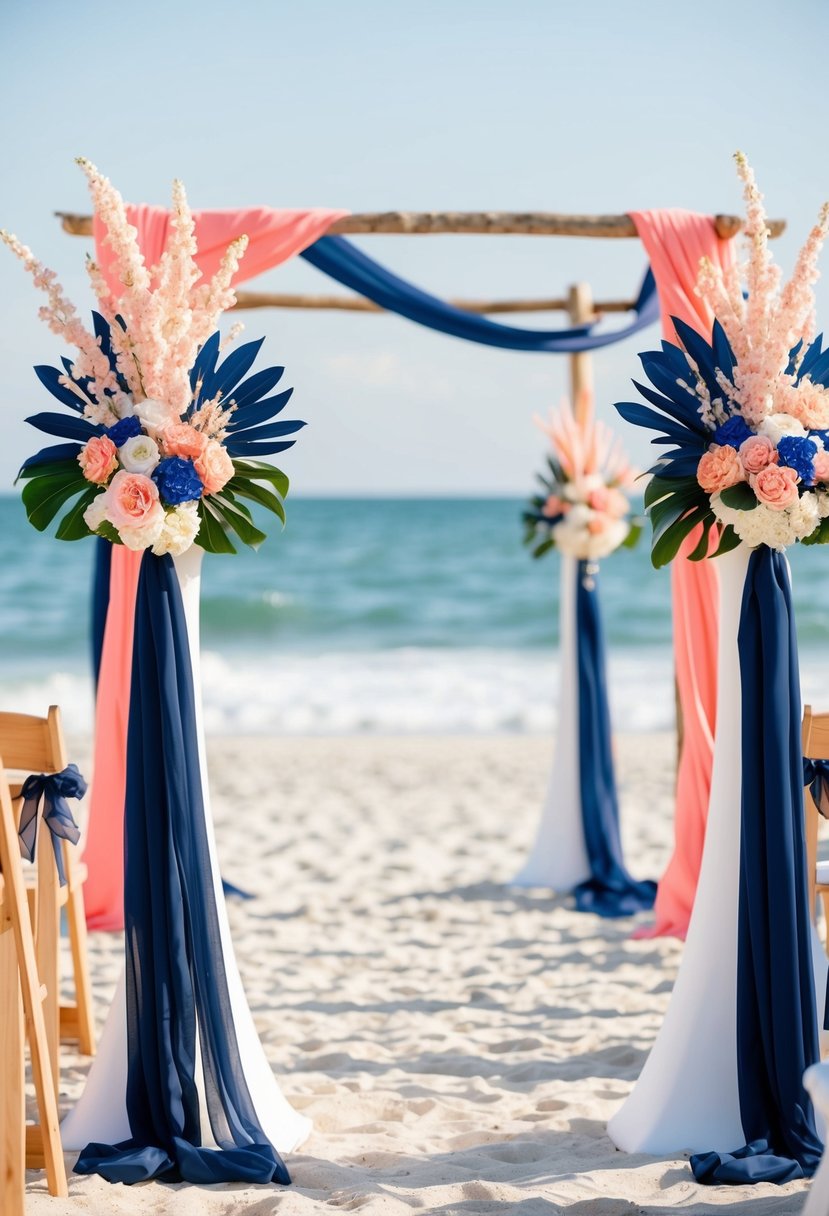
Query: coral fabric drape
{"x": 274, "y": 237}
{"x": 675, "y": 240}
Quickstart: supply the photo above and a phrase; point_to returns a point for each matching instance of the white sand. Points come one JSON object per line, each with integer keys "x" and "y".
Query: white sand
{"x": 458, "y": 1046}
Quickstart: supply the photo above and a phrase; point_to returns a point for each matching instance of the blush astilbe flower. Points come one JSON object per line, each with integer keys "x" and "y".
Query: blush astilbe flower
{"x": 765, "y": 325}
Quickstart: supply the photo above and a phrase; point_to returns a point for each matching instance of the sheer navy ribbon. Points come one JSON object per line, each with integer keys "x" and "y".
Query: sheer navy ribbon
{"x": 777, "y": 1037}
{"x": 340, "y": 260}
{"x": 816, "y": 776}
{"x": 101, "y": 570}
{"x": 50, "y": 790}
{"x": 610, "y": 890}
{"x": 177, "y": 991}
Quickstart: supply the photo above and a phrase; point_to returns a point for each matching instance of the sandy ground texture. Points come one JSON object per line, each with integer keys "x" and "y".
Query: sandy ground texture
{"x": 458, "y": 1045}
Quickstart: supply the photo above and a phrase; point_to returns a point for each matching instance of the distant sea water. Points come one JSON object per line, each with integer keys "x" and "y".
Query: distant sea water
{"x": 375, "y": 615}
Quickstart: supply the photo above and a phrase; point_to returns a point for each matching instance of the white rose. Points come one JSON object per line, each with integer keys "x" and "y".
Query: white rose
{"x": 154, "y": 415}
{"x": 181, "y": 525}
{"x": 777, "y": 425}
{"x": 95, "y": 513}
{"x": 139, "y": 454}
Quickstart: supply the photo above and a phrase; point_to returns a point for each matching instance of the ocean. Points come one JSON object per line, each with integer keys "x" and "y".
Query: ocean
{"x": 418, "y": 615}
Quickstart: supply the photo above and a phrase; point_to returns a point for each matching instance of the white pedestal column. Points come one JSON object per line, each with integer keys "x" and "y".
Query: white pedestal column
{"x": 558, "y": 858}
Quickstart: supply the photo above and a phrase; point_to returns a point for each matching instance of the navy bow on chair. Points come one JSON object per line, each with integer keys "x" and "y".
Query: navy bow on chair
{"x": 51, "y": 790}
{"x": 816, "y": 776}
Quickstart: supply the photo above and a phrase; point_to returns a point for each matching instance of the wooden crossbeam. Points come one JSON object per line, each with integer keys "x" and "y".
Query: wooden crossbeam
{"x": 504, "y": 223}
{"x": 265, "y": 299}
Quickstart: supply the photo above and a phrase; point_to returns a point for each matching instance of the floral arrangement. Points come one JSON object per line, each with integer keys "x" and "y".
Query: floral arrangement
{"x": 746, "y": 415}
{"x": 165, "y": 441}
{"x": 584, "y": 509}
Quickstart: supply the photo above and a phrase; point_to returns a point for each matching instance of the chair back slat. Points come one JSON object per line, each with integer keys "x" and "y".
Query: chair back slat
{"x": 32, "y": 744}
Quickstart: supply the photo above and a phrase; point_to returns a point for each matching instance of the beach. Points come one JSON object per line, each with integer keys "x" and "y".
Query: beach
{"x": 459, "y": 1044}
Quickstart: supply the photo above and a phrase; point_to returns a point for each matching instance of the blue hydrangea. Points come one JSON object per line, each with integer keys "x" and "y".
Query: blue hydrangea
{"x": 798, "y": 453}
{"x": 823, "y": 436}
{"x": 177, "y": 480}
{"x": 123, "y": 430}
{"x": 733, "y": 433}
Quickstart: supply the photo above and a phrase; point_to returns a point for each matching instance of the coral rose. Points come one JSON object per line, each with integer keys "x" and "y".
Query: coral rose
{"x": 181, "y": 439}
{"x": 719, "y": 468}
{"x": 758, "y": 452}
{"x": 214, "y": 467}
{"x": 99, "y": 459}
{"x": 776, "y": 486}
{"x": 822, "y": 466}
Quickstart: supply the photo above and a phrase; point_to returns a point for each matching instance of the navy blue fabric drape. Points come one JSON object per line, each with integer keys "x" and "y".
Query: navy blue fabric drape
{"x": 102, "y": 564}
{"x": 177, "y": 992}
{"x": 777, "y": 1037}
{"x": 340, "y": 260}
{"x": 610, "y": 890}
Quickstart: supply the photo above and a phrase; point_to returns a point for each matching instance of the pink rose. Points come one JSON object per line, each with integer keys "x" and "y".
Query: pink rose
{"x": 719, "y": 468}
{"x": 617, "y": 503}
{"x": 822, "y": 466}
{"x": 776, "y": 486}
{"x": 132, "y": 500}
{"x": 181, "y": 439}
{"x": 599, "y": 498}
{"x": 98, "y": 459}
{"x": 554, "y": 505}
{"x": 598, "y": 524}
{"x": 214, "y": 467}
{"x": 757, "y": 452}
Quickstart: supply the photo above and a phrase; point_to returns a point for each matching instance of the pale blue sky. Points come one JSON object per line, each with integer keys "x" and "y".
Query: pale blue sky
{"x": 593, "y": 107}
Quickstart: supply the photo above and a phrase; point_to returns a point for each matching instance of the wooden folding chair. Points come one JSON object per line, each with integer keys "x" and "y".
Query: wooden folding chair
{"x": 36, "y": 745}
{"x": 21, "y": 997}
{"x": 815, "y": 747}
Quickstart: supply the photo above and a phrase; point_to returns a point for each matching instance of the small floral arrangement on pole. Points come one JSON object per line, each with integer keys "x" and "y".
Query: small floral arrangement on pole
{"x": 164, "y": 439}
{"x": 746, "y": 415}
{"x": 584, "y": 510}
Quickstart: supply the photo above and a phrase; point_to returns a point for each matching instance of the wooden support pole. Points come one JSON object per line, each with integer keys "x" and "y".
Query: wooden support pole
{"x": 581, "y": 310}
{"x": 480, "y": 223}
{"x": 340, "y": 303}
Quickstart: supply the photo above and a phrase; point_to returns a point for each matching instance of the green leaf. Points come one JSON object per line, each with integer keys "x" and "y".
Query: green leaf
{"x": 728, "y": 540}
{"x": 820, "y": 536}
{"x": 740, "y": 497}
{"x": 73, "y": 526}
{"x": 257, "y": 470}
{"x": 544, "y": 547}
{"x": 57, "y": 468}
{"x": 257, "y": 493}
{"x": 700, "y": 549}
{"x": 665, "y": 549}
{"x": 211, "y": 535}
{"x": 668, "y": 510}
{"x": 43, "y": 497}
{"x": 662, "y": 487}
{"x": 238, "y": 517}
{"x": 109, "y": 532}
{"x": 632, "y": 538}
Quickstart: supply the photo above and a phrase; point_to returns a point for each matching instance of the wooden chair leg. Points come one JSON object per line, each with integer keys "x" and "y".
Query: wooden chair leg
{"x": 80, "y": 1017}
{"x": 12, "y": 1071}
{"x": 42, "y": 1076}
{"x": 47, "y": 949}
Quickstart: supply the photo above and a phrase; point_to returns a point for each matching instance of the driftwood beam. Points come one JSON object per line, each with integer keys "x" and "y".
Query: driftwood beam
{"x": 504, "y": 223}
{"x": 264, "y": 299}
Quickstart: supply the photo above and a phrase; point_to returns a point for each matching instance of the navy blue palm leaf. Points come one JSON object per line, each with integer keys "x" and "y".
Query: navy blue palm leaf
{"x": 252, "y": 435}
{"x": 674, "y": 499}
{"x": 54, "y": 478}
